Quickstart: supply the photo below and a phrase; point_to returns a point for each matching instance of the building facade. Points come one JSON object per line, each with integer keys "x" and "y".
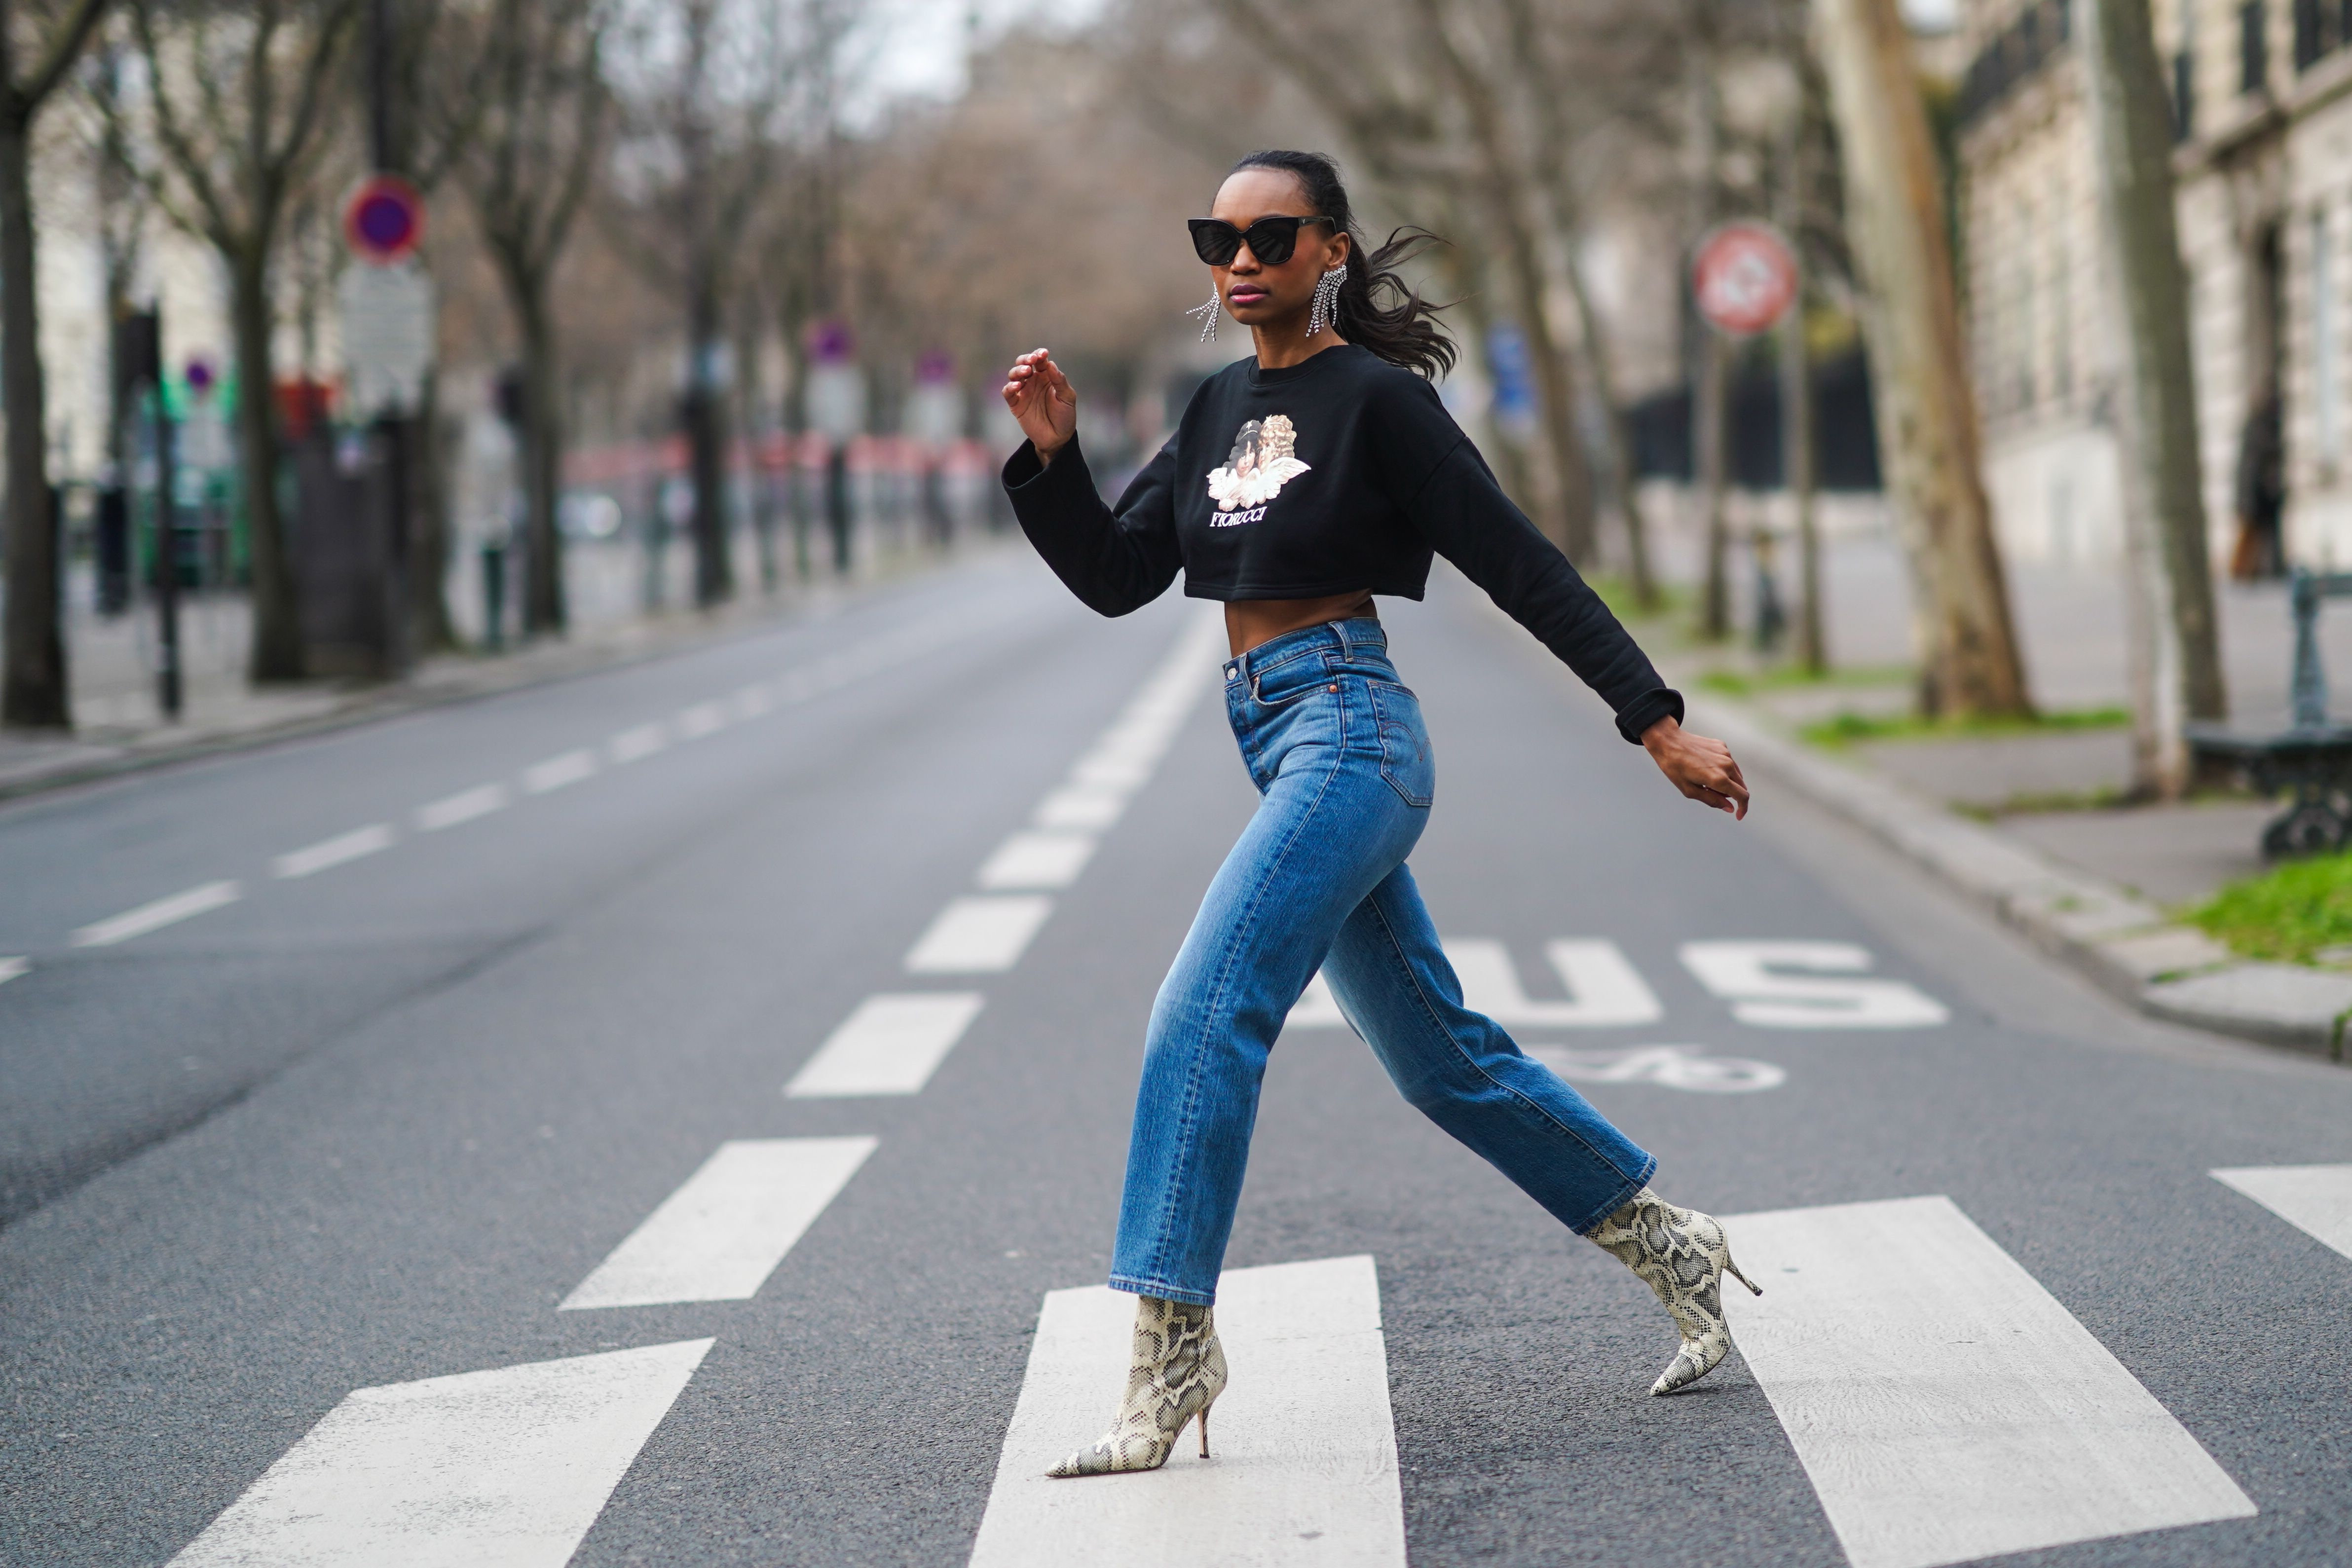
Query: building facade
{"x": 2262, "y": 107}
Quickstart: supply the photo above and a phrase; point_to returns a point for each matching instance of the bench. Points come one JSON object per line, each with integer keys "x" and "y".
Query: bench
{"x": 2311, "y": 757}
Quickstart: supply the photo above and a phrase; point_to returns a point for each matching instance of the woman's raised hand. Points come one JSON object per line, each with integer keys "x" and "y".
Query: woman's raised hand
{"x": 1040, "y": 397}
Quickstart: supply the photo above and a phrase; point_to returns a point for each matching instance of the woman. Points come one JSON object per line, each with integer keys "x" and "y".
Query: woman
{"x": 1300, "y": 483}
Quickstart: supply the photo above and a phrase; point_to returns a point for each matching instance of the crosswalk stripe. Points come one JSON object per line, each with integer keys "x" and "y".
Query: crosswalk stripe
{"x": 891, "y": 1045}
{"x": 327, "y": 853}
{"x": 980, "y": 935}
{"x": 1037, "y": 861}
{"x": 1305, "y": 1463}
{"x": 155, "y": 916}
{"x": 719, "y": 1236}
{"x": 2315, "y": 1199}
{"x": 1945, "y": 1406}
{"x": 505, "y": 1469}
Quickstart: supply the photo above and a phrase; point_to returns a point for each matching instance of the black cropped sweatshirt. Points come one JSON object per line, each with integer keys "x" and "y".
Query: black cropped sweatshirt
{"x": 1337, "y": 474}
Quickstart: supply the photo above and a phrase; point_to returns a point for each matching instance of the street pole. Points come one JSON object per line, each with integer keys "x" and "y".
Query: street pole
{"x": 140, "y": 342}
{"x": 392, "y": 427}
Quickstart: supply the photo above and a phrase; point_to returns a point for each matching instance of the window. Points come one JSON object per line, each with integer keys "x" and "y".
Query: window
{"x": 2253, "y": 47}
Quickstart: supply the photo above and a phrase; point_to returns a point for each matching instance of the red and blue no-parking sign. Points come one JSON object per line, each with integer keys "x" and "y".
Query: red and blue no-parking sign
{"x": 385, "y": 220}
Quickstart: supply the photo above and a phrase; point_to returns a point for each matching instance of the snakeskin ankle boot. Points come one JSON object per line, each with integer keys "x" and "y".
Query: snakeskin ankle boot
{"x": 1683, "y": 1256}
{"x": 1177, "y": 1372}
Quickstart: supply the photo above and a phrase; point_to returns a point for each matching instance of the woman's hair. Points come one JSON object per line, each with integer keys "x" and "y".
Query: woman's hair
{"x": 1378, "y": 309}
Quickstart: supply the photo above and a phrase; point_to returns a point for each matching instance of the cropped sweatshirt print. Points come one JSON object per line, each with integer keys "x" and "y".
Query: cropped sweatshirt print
{"x": 1338, "y": 474}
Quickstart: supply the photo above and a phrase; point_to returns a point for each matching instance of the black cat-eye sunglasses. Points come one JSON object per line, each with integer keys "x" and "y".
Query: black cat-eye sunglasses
{"x": 1270, "y": 240}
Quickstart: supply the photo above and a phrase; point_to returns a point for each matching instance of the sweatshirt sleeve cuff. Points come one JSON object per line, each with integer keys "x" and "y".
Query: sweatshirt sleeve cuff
{"x": 1026, "y": 476}
{"x": 1659, "y": 702}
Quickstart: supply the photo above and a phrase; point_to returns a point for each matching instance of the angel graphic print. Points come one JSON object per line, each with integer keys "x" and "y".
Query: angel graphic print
{"x": 1255, "y": 470}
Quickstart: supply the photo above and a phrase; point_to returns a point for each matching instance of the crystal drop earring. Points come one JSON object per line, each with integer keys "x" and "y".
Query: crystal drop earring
{"x": 1327, "y": 299}
{"x": 1208, "y": 312}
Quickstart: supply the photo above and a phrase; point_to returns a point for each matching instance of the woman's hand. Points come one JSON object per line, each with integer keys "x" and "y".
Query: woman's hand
{"x": 1699, "y": 767}
{"x": 1040, "y": 397}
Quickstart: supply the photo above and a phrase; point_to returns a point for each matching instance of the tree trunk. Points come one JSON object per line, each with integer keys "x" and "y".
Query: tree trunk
{"x": 706, "y": 436}
{"x": 33, "y": 695}
{"x": 277, "y": 651}
{"x": 1926, "y": 406}
{"x": 2163, "y": 488}
{"x": 1706, "y": 438}
{"x": 1624, "y": 484}
{"x": 1797, "y": 401}
{"x": 1571, "y": 528}
{"x": 429, "y": 627}
{"x": 544, "y": 612}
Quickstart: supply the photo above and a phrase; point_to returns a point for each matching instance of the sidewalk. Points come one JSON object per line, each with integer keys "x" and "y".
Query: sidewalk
{"x": 118, "y": 727}
{"x": 2033, "y": 823}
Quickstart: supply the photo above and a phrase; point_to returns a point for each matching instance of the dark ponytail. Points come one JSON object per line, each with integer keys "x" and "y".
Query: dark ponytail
{"x": 1378, "y": 309}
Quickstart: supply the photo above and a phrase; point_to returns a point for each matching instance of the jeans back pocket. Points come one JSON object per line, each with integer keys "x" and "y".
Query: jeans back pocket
{"x": 1406, "y": 758}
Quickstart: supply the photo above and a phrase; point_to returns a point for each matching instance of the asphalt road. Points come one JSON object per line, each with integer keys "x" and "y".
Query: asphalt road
{"x": 454, "y": 1003}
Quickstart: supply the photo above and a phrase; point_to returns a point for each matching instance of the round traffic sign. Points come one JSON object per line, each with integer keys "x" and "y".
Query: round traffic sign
{"x": 1744, "y": 277}
{"x": 384, "y": 219}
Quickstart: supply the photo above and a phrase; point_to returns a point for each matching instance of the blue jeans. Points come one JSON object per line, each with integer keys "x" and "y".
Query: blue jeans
{"x": 1336, "y": 746}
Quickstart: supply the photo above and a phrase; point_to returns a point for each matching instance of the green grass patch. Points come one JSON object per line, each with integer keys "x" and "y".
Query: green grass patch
{"x": 2287, "y": 916}
{"x": 1846, "y": 729}
{"x": 1796, "y": 676}
{"x": 1617, "y": 593}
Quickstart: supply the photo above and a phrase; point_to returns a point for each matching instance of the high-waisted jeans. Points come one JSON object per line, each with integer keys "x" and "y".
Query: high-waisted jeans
{"x": 1335, "y": 744}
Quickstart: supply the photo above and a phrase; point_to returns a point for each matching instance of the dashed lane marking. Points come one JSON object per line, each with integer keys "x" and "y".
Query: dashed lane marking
{"x": 505, "y": 1469}
{"x": 1303, "y": 1467}
{"x": 891, "y": 1045}
{"x": 372, "y": 839}
{"x": 980, "y": 935}
{"x": 464, "y": 806}
{"x": 721, "y": 1234}
{"x": 2314, "y": 1199}
{"x": 1038, "y": 861}
{"x": 154, "y": 916}
{"x": 701, "y": 718}
{"x": 556, "y": 772}
{"x": 1945, "y": 1406}
{"x": 637, "y": 742}
{"x": 10, "y": 968}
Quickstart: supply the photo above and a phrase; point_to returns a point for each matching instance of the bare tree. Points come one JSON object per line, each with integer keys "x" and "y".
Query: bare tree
{"x": 2177, "y": 656}
{"x": 1925, "y": 405}
{"x": 38, "y": 43}
{"x": 238, "y": 100}
{"x": 527, "y": 170}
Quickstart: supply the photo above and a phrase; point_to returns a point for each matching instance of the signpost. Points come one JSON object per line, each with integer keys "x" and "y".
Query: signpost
{"x": 1744, "y": 277}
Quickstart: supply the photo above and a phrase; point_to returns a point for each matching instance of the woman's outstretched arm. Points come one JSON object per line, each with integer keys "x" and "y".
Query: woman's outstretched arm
{"x": 1114, "y": 560}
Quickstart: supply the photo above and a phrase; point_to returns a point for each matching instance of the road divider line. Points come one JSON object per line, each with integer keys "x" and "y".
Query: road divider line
{"x": 637, "y": 742}
{"x": 154, "y": 916}
{"x": 508, "y": 1467}
{"x": 980, "y": 935}
{"x": 721, "y": 1234}
{"x": 1075, "y": 808}
{"x": 2314, "y": 1199}
{"x": 751, "y": 702}
{"x": 1032, "y": 860}
{"x": 1945, "y": 1406}
{"x": 556, "y": 772}
{"x": 372, "y": 839}
{"x": 1304, "y": 1461}
{"x": 701, "y": 718}
{"x": 891, "y": 1045}
{"x": 11, "y": 968}
{"x": 464, "y": 806}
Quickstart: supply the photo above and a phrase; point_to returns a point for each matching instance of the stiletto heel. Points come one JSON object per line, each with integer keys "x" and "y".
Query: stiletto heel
{"x": 1176, "y": 1373}
{"x": 1682, "y": 1255}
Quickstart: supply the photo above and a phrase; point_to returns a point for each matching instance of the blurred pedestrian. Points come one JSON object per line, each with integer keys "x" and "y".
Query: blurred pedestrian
{"x": 1302, "y": 481}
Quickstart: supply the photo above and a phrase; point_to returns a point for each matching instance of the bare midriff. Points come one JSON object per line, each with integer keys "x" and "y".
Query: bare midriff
{"x": 1249, "y": 621}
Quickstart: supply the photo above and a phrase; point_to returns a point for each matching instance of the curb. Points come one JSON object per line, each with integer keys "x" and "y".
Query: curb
{"x": 2128, "y": 946}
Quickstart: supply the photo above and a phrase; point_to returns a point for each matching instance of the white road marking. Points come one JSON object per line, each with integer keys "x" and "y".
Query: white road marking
{"x": 891, "y": 1045}
{"x": 464, "y": 806}
{"x": 154, "y": 916}
{"x": 1743, "y": 972}
{"x": 1669, "y": 1067}
{"x": 505, "y": 1469}
{"x": 1945, "y": 1406}
{"x": 980, "y": 935}
{"x": 1606, "y": 990}
{"x": 637, "y": 742}
{"x": 10, "y": 968}
{"x": 1038, "y": 861}
{"x": 722, "y": 1233}
{"x": 702, "y": 718}
{"x": 2315, "y": 1199}
{"x": 372, "y": 840}
{"x": 1076, "y": 809}
{"x": 556, "y": 772}
{"x": 749, "y": 702}
{"x": 1303, "y": 1462}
